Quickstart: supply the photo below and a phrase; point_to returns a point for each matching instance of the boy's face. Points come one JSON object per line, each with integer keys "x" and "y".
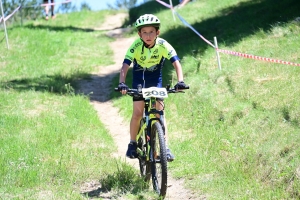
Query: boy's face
{"x": 148, "y": 34}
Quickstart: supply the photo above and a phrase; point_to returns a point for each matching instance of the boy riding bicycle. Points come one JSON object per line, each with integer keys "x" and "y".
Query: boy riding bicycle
{"x": 148, "y": 54}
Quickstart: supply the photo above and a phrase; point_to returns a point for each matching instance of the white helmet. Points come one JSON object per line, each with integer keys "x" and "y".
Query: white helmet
{"x": 147, "y": 20}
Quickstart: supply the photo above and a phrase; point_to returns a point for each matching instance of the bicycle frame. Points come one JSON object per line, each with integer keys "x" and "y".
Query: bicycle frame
{"x": 150, "y": 117}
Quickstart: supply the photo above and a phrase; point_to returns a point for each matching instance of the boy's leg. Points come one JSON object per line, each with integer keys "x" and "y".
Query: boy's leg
{"x": 170, "y": 156}
{"x": 52, "y": 9}
{"x": 46, "y": 9}
{"x": 137, "y": 114}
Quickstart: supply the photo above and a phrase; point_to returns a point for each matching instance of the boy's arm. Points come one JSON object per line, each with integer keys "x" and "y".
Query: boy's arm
{"x": 123, "y": 73}
{"x": 178, "y": 69}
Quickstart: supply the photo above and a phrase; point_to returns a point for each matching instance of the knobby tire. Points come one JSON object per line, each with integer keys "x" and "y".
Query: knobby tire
{"x": 159, "y": 168}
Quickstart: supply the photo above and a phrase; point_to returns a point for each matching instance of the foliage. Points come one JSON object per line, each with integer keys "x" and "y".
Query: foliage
{"x": 85, "y": 6}
{"x": 66, "y": 8}
{"x": 123, "y": 4}
{"x": 30, "y": 9}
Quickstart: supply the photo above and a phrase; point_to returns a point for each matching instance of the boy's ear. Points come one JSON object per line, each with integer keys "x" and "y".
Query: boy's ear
{"x": 158, "y": 32}
{"x": 139, "y": 33}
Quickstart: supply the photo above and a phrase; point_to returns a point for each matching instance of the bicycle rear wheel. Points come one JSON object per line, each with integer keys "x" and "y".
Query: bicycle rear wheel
{"x": 145, "y": 166}
{"x": 159, "y": 167}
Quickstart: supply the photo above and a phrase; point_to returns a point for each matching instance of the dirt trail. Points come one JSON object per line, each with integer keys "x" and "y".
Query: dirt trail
{"x": 109, "y": 115}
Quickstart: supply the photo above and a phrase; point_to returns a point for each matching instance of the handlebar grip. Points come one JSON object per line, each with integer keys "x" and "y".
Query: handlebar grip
{"x": 128, "y": 91}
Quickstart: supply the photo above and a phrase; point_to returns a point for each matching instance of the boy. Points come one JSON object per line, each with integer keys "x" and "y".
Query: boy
{"x": 147, "y": 54}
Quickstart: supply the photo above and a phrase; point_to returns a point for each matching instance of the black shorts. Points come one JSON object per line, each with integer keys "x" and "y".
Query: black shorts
{"x": 142, "y": 99}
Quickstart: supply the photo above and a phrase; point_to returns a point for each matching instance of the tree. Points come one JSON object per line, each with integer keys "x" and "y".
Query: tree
{"x": 66, "y": 8}
{"x": 29, "y": 9}
{"x": 123, "y": 4}
{"x": 85, "y": 6}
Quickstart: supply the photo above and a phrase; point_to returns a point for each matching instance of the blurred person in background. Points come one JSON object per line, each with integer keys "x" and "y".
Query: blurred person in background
{"x": 47, "y": 9}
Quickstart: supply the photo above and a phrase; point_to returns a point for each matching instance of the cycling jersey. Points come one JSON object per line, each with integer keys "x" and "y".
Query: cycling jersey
{"x": 148, "y": 63}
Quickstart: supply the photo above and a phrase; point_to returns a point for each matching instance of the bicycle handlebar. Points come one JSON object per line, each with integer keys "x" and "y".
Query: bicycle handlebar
{"x": 132, "y": 92}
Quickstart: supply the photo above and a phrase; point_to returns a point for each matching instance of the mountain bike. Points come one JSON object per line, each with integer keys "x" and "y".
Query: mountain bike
{"x": 151, "y": 146}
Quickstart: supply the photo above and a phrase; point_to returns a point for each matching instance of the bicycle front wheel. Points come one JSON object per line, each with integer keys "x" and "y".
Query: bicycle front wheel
{"x": 159, "y": 168}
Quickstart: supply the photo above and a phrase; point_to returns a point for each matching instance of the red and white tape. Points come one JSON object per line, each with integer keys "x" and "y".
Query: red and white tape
{"x": 9, "y": 16}
{"x": 165, "y": 4}
{"x": 52, "y": 4}
{"x": 257, "y": 57}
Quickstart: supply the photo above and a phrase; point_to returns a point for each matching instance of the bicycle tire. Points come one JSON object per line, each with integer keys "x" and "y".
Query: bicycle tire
{"x": 145, "y": 166}
{"x": 159, "y": 168}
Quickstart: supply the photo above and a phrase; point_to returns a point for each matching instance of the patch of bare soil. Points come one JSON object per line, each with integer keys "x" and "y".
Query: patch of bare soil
{"x": 96, "y": 88}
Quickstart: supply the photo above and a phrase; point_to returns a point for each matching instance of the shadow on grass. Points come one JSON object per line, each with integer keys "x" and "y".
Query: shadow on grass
{"x": 96, "y": 87}
{"x": 57, "y": 84}
{"x": 146, "y": 8}
{"x": 67, "y": 28}
{"x": 59, "y": 28}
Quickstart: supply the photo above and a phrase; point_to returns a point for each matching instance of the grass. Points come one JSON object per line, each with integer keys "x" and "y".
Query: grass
{"x": 234, "y": 133}
{"x": 39, "y": 152}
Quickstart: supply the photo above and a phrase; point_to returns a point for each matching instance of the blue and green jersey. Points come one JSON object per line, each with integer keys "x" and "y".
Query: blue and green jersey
{"x": 148, "y": 63}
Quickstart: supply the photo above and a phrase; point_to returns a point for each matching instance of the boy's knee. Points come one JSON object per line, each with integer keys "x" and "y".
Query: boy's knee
{"x": 137, "y": 116}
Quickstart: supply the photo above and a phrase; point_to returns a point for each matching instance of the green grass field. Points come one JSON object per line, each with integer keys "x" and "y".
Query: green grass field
{"x": 235, "y": 133}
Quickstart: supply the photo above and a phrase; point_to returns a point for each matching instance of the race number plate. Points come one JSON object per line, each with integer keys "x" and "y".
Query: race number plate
{"x": 155, "y": 92}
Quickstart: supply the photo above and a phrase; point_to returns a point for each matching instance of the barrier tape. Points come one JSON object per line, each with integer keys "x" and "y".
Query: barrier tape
{"x": 9, "y": 16}
{"x": 52, "y": 4}
{"x": 165, "y": 4}
{"x": 46, "y": 4}
{"x": 257, "y": 57}
{"x": 185, "y": 23}
{"x": 188, "y": 25}
{"x": 227, "y": 51}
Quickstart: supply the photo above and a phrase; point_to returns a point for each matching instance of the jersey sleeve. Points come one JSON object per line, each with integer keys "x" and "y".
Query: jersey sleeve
{"x": 169, "y": 51}
{"x": 132, "y": 51}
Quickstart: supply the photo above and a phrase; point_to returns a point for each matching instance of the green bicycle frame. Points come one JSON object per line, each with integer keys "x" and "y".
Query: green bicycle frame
{"x": 150, "y": 112}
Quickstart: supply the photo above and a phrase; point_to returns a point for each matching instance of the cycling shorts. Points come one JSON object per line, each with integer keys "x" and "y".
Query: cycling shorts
{"x": 142, "y": 99}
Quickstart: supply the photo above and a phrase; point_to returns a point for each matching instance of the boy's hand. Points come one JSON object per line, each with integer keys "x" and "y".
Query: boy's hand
{"x": 180, "y": 85}
{"x": 122, "y": 86}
